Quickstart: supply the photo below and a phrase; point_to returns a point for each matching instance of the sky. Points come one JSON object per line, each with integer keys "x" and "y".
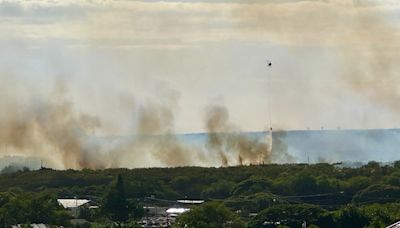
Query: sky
{"x": 334, "y": 63}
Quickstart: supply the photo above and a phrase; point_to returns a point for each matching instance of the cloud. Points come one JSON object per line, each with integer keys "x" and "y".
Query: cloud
{"x": 123, "y": 23}
{"x": 44, "y": 11}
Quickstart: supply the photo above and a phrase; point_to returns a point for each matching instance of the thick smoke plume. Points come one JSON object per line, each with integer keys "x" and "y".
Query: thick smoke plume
{"x": 51, "y": 127}
{"x": 52, "y": 130}
{"x": 155, "y": 137}
{"x": 232, "y": 147}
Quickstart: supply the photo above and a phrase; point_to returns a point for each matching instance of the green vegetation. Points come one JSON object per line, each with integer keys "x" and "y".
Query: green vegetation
{"x": 18, "y": 207}
{"x": 322, "y": 195}
{"x": 210, "y": 215}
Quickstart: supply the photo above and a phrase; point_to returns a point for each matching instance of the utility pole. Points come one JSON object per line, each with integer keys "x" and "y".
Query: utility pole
{"x": 76, "y": 207}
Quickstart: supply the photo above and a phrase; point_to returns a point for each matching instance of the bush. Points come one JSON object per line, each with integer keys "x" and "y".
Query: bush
{"x": 292, "y": 215}
{"x": 209, "y": 215}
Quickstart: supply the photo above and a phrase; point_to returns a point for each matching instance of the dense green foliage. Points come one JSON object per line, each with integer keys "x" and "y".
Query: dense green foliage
{"x": 209, "y": 215}
{"x": 115, "y": 203}
{"x": 322, "y": 194}
{"x": 291, "y": 215}
{"x": 17, "y": 207}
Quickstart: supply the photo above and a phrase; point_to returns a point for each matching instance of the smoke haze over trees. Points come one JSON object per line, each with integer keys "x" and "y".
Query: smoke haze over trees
{"x": 69, "y": 78}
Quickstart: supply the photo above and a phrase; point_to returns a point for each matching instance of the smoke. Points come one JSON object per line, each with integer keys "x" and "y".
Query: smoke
{"x": 51, "y": 129}
{"x": 371, "y": 67}
{"x": 232, "y": 147}
{"x": 49, "y": 126}
{"x": 280, "y": 152}
{"x": 155, "y": 137}
{"x": 363, "y": 34}
{"x": 217, "y": 127}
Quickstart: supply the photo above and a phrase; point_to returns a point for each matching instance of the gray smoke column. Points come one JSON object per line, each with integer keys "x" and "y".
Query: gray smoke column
{"x": 232, "y": 147}
{"x": 155, "y": 136}
{"x": 279, "y": 147}
{"x": 216, "y": 125}
{"x": 49, "y": 128}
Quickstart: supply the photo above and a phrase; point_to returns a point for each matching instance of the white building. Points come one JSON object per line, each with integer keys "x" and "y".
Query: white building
{"x": 175, "y": 212}
{"x": 188, "y": 201}
{"x": 73, "y": 205}
{"x": 395, "y": 225}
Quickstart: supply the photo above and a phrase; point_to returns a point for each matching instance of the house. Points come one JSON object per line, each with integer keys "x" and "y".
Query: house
{"x": 74, "y": 205}
{"x": 155, "y": 210}
{"x": 190, "y": 201}
{"x": 41, "y": 225}
{"x": 175, "y": 212}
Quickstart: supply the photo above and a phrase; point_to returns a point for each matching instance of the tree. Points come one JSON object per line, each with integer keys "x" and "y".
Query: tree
{"x": 292, "y": 215}
{"x": 181, "y": 184}
{"x": 252, "y": 203}
{"x": 378, "y": 193}
{"x": 380, "y": 215}
{"x": 357, "y": 183}
{"x": 250, "y": 186}
{"x": 219, "y": 190}
{"x": 23, "y": 208}
{"x": 304, "y": 184}
{"x": 209, "y": 215}
{"x": 327, "y": 185}
{"x": 351, "y": 216}
{"x": 115, "y": 203}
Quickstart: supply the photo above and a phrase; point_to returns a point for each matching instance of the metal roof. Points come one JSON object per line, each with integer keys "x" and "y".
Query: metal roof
{"x": 177, "y": 210}
{"x": 72, "y": 203}
{"x": 395, "y": 225}
{"x": 191, "y": 201}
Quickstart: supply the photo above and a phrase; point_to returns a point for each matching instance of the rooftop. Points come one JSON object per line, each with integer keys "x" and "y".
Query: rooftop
{"x": 72, "y": 203}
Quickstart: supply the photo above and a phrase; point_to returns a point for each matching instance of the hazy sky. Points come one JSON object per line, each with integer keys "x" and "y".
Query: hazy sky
{"x": 334, "y": 62}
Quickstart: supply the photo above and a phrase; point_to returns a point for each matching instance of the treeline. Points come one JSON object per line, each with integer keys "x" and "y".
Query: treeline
{"x": 371, "y": 182}
{"x": 18, "y": 207}
{"x": 319, "y": 194}
{"x": 293, "y": 215}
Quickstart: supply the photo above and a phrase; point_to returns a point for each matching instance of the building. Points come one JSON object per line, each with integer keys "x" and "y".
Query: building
{"x": 394, "y": 225}
{"x": 176, "y": 211}
{"x": 41, "y": 225}
{"x": 74, "y": 205}
{"x": 190, "y": 201}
